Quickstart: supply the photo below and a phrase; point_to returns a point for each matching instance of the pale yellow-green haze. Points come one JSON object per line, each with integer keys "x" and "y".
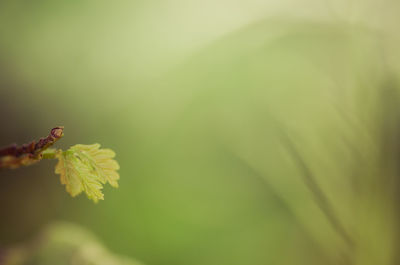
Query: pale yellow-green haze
{"x": 245, "y": 132}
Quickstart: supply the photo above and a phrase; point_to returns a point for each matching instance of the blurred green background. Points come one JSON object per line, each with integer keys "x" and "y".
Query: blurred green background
{"x": 195, "y": 98}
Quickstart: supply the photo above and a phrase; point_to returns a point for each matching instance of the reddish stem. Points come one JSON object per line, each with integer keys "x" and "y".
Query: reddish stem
{"x": 14, "y": 156}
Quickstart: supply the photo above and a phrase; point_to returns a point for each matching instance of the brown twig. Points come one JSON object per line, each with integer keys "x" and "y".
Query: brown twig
{"x": 14, "y": 156}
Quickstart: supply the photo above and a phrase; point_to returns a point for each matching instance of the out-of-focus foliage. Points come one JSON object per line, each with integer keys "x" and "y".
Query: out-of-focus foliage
{"x": 63, "y": 243}
{"x": 87, "y": 168}
{"x": 197, "y": 99}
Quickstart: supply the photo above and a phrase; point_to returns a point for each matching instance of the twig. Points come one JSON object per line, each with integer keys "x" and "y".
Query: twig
{"x": 14, "y": 156}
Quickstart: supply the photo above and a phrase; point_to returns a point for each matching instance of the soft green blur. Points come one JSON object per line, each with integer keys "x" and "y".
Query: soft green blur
{"x": 198, "y": 99}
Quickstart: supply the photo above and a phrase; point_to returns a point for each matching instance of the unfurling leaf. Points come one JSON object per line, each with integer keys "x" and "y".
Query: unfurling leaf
{"x": 87, "y": 168}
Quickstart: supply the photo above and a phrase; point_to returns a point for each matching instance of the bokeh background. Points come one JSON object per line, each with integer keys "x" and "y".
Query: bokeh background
{"x": 248, "y": 132}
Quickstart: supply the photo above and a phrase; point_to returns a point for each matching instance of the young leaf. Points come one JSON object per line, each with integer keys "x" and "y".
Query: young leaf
{"x": 86, "y": 168}
{"x": 101, "y": 160}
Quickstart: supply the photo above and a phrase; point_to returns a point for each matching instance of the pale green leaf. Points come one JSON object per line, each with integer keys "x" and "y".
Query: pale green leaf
{"x": 86, "y": 168}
